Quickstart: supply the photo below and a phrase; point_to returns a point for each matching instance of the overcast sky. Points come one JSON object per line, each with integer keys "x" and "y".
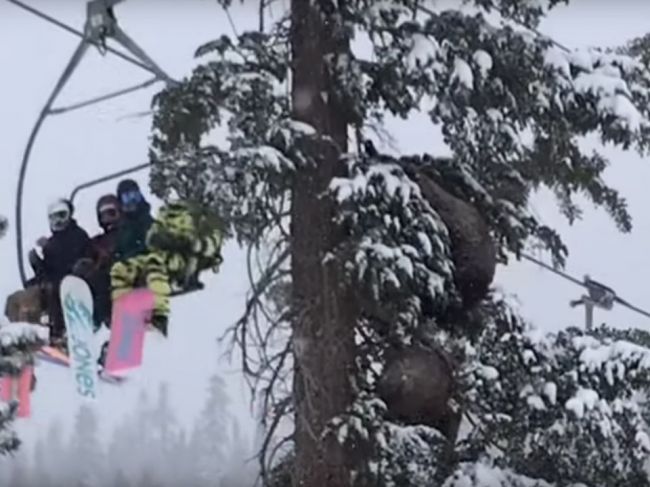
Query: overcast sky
{"x": 75, "y": 147}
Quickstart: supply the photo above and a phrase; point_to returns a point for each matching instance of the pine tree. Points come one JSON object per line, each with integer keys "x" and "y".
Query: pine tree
{"x": 115, "y": 451}
{"x": 239, "y": 468}
{"x": 120, "y": 479}
{"x": 87, "y": 463}
{"x": 56, "y": 461}
{"x": 567, "y": 397}
{"x": 18, "y": 342}
{"x": 361, "y": 242}
{"x": 165, "y": 433}
{"x": 131, "y": 447}
{"x": 211, "y": 438}
{"x": 41, "y": 474}
{"x": 148, "y": 479}
{"x": 185, "y": 457}
{"x": 21, "y": 473}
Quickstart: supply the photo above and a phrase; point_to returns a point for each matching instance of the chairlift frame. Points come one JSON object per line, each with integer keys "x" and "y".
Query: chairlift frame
{"x": 100, "y": 25}
{"x": 94, "y": 182}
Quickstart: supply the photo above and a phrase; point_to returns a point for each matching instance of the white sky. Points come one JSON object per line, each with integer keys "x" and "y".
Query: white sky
{"x": 75, "y": 147}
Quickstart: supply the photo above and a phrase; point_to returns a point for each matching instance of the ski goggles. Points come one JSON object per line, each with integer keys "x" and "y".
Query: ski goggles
{"x": 58, "y": 219}
{"x": 130, "y": 197}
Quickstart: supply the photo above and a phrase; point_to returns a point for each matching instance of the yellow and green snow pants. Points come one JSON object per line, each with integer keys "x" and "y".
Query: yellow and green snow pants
{"x": 152, "y": 268}
{"x": 200, "y": 240}
{"x": 206, "y": 253}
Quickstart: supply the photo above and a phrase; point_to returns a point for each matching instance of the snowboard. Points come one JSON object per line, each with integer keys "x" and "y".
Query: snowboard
{"x": 18, "y": 388}
{"x": 131, "y": 312}
{"x": 55, "y": 356}
{"x": 77, "y": 304}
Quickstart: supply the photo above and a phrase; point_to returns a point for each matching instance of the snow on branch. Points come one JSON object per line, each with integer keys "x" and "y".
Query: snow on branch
{"x": 512, "y": 108}
{"x": 244, "y": 85}
{"x": 18, "y": 342}
{"x": 9, "y": 441}
{"x": 509, "y": 102}
{"x": 481, "y": 474}
{"x": 569, "y": 398}
{"x": 17, "y": 334}
{"x": 398, "y": 245}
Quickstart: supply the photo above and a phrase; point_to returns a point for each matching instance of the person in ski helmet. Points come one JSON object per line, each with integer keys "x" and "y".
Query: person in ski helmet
{"x": 59, "y": 253}
{"x": 95, "y": 269}
{"x": 134, "y": 261}
{"x": 108, "y": 212}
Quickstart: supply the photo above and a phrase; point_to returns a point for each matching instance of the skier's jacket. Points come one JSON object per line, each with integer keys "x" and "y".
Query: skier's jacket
{"x": 131, "y": 239}
{"x": 62, "y": 250}
{"x": 103, "y": 248}
{"x": 99, "y": 278}
{"x": 185, "y": 230}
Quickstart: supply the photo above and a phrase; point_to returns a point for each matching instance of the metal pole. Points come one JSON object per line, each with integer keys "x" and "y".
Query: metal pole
{"x": 72, "y": 64}
{"x": 81, "y": 35}
{"x": 589, "y": 314}
{"x": 108, "y": 177}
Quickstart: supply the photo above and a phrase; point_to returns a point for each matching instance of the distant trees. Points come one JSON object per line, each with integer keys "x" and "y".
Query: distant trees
{"x": 148, "y": 448}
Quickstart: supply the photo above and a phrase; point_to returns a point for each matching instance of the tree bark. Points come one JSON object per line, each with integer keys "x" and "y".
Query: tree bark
{"x": 324, "y": 326}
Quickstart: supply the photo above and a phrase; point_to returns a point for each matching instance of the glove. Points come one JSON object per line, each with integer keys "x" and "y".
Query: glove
{"x": 83, "y": 268}
{"x": 165, "y": 241}
{"x": 35, "y": 260}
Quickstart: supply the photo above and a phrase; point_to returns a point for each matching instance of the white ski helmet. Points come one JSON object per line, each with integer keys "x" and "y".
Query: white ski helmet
{"x": 59, "y": 214}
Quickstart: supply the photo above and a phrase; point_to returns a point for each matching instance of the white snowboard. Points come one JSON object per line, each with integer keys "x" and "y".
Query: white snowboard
{"x": 77, "y": 305}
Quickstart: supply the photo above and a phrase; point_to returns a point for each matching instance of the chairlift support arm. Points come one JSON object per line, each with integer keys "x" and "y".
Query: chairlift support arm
{"x": 100, "y": 25}
{"x": 108, "y": 177}
{"x": 76, "y": 32}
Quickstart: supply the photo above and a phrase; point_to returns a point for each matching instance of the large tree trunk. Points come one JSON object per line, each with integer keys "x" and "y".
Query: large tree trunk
{"x": 324, "y": 325}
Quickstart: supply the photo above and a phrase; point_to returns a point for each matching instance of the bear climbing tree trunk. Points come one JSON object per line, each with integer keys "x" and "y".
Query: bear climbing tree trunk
{"x": 325, "y": 317}
{"x": 474, "y": 252}
{"x": 418, "y": 382}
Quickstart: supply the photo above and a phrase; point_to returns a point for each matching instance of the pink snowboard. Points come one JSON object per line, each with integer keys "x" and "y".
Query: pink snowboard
{"x": 18, "y": 388}
{"x": 130, "y": 313}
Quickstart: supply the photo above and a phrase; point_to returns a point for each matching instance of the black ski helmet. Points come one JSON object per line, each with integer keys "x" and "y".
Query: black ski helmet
{"x": 125, "y": 186}
{"x": 129, "y": 195}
